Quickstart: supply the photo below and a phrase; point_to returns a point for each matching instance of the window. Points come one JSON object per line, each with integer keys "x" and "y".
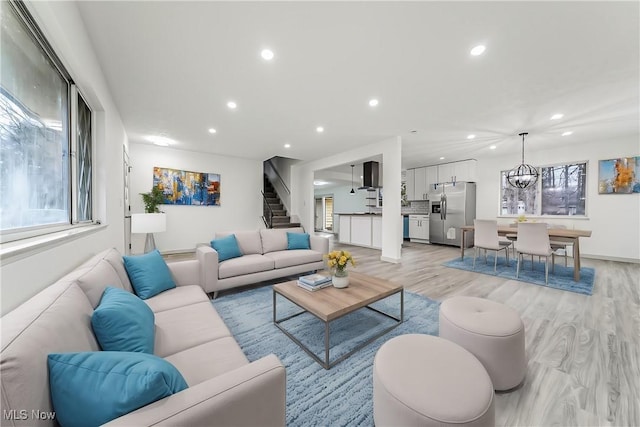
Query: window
{"x": 41, "y": 185}
{"x": 560, "y": 191}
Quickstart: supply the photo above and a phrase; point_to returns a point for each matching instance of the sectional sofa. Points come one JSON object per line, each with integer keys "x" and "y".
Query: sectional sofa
{"x": 224, "y": 388}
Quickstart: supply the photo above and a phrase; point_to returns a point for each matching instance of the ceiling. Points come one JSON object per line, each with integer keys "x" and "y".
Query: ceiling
{"x": 173, "y": 66}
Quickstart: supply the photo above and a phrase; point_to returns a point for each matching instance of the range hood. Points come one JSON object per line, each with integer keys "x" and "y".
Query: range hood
{"x": 370, "y": 176}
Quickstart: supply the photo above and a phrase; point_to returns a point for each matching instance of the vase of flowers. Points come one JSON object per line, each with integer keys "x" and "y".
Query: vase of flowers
{"x": 337, "y": 261}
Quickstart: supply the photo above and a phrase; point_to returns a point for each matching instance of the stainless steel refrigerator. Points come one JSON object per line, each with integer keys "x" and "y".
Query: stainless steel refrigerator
{"x": 451, "y": 207}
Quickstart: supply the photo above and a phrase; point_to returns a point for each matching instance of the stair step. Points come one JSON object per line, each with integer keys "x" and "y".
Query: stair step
{"x": 279, "y": 212}
{"x": 285, "y": 225}
{"x": 270, "y": 195}
{"x": 280, "y": 219}
{"x": 272, "y": 201}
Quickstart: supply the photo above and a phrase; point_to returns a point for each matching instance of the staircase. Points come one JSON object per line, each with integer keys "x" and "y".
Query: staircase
{"x": 274, "y": 209}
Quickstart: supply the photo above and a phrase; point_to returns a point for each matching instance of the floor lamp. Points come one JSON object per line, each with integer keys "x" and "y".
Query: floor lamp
{"x": 148, "y": 223}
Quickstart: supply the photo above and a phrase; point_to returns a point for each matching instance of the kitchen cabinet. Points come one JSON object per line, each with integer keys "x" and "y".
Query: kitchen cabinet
{"x": 420, "y": 189}
{"x": 464, "y": 171}
{"x": 361, "y": 230}
{"x": 431, "y": 178}
{"x": 419, "y": 228}
{"x": 410, "y": 183}
{"x": 344, "y": 235}
{"x": 376, "y": 232}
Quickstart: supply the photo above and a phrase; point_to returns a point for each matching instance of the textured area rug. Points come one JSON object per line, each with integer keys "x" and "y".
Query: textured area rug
{"x": 561, "y": 278}
{"x": 343, "y": 395}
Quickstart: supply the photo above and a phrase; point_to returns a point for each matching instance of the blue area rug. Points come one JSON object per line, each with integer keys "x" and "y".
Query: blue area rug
{"x": 561, "y": 278}
{"x": 343, "y": 395}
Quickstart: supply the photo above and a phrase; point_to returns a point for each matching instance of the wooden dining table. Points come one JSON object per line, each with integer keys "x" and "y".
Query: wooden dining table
{"x": 556, "y": 234}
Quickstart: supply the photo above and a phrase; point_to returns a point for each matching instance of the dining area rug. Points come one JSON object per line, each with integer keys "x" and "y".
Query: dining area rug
{"x": 561, "y": 278}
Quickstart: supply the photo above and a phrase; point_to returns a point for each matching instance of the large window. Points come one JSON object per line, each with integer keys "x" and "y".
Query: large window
{"x": 560, "y": 191}
{"x": 45, "y": 169}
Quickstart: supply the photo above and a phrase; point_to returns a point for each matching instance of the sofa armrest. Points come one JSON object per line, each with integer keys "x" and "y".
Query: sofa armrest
{"x": 208, "y": 259}
{"x": 320, "y": 244}
{"x": 253, "y": 395}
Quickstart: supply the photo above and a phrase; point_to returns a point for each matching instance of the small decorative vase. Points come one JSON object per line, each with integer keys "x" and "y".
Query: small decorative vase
{"x": 340, "y": 279}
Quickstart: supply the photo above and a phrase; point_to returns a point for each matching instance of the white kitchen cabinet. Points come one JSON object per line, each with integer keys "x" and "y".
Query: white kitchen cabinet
{"x": 410, "y": 183}
{"x": 420, "y": 191}
{"x": 419, "y": 228}
{"x": 464, "y": 171}
{"x": 446, "y": 172}
{"x": 431, "y": 178}
{"x": 376, "y": 232}
{"x": 361, "y": 230}
{"x": 344, "y": 235}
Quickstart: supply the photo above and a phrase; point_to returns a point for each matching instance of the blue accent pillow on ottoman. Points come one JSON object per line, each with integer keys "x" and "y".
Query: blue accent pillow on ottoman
{"x": 92, "y": 388}
{"x": 123, "y": 322}
{"x": 298, "y": 241}
{"x": 149, "y": 274}
{"x": 227, "y": 247}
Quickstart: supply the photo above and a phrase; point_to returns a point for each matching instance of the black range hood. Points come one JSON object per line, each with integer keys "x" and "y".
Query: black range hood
{"x": 370, "y": 176}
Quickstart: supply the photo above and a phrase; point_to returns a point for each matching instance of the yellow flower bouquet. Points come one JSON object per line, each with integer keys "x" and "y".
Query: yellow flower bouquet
{"x": 337, "y": 261}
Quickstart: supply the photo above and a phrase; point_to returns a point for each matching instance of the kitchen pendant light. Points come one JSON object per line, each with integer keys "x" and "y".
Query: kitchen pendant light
{"x": 524, "y": 175}
{"x": 352, "y": 192}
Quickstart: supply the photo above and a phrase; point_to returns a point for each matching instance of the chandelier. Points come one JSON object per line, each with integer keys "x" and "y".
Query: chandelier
{"x": 523, "y": 175}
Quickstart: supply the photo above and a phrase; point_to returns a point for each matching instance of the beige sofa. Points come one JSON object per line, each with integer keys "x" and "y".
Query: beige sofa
{"x": 265, "y": 256}
{"x": 224, "y": 388}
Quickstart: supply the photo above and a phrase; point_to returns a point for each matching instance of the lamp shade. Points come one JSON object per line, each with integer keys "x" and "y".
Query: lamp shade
{"x": 148, "y": 223}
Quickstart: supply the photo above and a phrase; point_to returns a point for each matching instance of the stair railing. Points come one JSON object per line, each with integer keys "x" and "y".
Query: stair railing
{"x": 267, "y": 212}
{"x": 278, "y": 176}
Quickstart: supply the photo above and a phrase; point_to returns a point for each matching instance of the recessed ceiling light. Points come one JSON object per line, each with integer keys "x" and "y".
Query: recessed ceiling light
{"x": 492, "y": 147}
{"x": 232, "y": 105}
{"x": 212, "y": 130}
{"x": 373, "y": 102}
{"x": 267, "y": 54}
{"x": 567, "y": 133}
{"x": 557, "y": 116}
{"x": 471, "y": 136}
{"x": 162, "y": 141}
{"x": 287, "y": 145}
{"x": 478, "y": 50}
{"x": 441, "y": 158}
{"x": 319, "y": 129}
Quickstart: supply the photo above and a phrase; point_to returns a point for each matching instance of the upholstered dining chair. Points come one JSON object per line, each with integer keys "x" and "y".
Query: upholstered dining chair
{"x": 559, "y": 247}
{"x": 486, "y": 237}
{"x": 533, "y": 239}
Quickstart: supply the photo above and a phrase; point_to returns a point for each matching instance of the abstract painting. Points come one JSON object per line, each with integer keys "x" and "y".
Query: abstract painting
{"x": 187, "y": 188}
{"x": 619, "y": 176}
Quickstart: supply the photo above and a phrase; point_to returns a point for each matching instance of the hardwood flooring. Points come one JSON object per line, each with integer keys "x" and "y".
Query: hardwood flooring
{"x": 583, "y": 351}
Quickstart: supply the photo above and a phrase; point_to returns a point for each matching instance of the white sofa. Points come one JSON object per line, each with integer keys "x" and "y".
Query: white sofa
{"x": 224, "y": 388}
{"x": 265, "y": 256}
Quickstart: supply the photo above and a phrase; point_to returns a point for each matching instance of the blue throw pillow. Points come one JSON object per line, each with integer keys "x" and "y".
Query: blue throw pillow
{"x": 298, "y": 241}
{"x": 149, "y": 274}
{"x": 227, "y": 247}
{"x": 90, "y": 389}
{"x": 123, "y": 322}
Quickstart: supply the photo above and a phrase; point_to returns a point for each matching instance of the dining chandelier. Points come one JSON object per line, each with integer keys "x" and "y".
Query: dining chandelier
{"x": 523, "y": 175}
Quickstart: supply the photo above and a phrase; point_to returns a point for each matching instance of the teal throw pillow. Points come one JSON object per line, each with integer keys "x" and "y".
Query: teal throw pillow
{"x": 298, "y": 241}
{"x": 227, "y": 247}
{"x": 93, "y": 388}
{"x": 123, "y": 322}
{"x": 149, "y": 274}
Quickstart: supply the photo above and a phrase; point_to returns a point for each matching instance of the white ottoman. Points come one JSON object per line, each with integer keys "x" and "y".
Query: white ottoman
{"x": 422, "y": 380}
{"x": 493, "y": 332}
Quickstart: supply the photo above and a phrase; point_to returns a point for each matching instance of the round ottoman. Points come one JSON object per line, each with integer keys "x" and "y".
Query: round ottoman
{"x": 421, "y": 380}
{"x": 493, "y": 332}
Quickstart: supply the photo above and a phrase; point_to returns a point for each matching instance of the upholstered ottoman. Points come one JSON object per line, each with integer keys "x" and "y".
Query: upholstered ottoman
{"x": 422, "y": 380}
{"x": 493, "y": 332}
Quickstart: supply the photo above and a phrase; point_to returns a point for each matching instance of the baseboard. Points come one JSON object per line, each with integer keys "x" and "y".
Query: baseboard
{"x": 391, "y": 260}
{"x": 611, "y": 258}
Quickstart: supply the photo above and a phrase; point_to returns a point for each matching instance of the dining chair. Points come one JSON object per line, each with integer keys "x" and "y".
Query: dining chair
{"x": 486, "y": 237}
{"x": 559, "y": 247}
{"x": 533, "y": 239}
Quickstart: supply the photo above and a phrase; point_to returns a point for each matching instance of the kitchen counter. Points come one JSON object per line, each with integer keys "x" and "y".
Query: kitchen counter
{"x": 362, "y": 213}
{"x": 361, "y": 229}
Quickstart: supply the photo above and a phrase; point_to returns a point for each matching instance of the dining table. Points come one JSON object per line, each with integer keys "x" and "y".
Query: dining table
{"x": 556, "y": 234}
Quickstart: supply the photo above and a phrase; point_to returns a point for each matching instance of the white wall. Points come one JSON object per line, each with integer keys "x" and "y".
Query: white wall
{"x": 23, "y": 278}
{"x": 614, "y": 219}
{"x": 240, "y": 199}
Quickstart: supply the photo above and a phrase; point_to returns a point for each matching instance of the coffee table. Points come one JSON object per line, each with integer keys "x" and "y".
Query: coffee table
{"x": 329, "y": 304}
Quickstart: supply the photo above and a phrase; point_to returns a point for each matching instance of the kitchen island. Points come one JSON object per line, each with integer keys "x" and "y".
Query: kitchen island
{"x": 361, "y": 229}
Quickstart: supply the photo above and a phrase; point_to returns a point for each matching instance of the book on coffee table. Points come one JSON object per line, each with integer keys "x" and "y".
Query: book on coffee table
{"x": 314, "y": 279}
{"x": 313, "y": 287}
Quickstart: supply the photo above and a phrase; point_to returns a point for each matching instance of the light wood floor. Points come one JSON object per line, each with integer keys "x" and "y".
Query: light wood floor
{"x": 583, "y": 351}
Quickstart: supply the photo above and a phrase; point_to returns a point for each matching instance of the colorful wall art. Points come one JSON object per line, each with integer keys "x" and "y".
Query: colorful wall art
{"x": 187, "y": 188}
{"x": 619, "y": 176}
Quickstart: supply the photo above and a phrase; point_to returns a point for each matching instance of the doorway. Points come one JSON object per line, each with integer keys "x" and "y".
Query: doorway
{"x": 324, "y": 214}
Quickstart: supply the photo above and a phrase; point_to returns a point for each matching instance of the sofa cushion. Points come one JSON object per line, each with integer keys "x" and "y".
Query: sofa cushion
{"x": 289, "y": 258}
{"x": 248, "y": 241}
{"x": 297, "y": 241}
{"x": 92, "y": 388}
{"x": 149, "y": 274}
{"x": 227, "y": 247}
{"x": 99, "y": 274}
{"x": 275, "y": 239}
{"x": 177, "y": 297}
{"x": 123, "y": 322}
{"x": 244, "y": 265}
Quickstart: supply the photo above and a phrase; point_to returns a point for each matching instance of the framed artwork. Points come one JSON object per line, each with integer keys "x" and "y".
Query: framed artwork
{"x": 619, "y": 176}
{"x": 187, "y": 188}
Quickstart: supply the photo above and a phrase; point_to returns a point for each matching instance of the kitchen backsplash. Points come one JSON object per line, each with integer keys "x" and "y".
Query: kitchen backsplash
{"x": 418, "y": 206}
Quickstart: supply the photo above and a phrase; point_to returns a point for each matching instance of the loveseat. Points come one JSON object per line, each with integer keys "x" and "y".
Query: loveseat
{"x": 224, "y": 388}
{"x": 265, "y": 256}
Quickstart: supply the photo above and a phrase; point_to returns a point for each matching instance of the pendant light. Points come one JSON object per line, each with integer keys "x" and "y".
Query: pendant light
{"x": 352, "y": 192}
{"x": 524, "y": 175}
